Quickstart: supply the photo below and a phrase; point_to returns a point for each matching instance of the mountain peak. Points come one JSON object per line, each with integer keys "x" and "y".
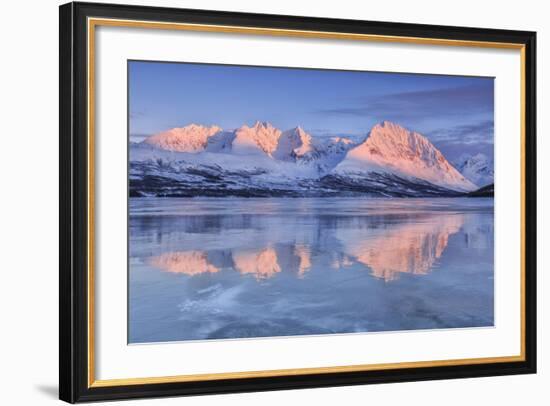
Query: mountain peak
{"x": 298, "y": 132}
{"x": 341, "y": 140}
{"x": 262, "y": 137}
{"x": 191, "y": 138}
{"x": 262, "y": 124}
{"x": 194, "y": 126}
{"x": 293, "y": 144}
{"x": 478, "y": 168}
{"x": 392, "y": 148}
{"x": 389, "y": 124}
{"x": 388, "y": 129}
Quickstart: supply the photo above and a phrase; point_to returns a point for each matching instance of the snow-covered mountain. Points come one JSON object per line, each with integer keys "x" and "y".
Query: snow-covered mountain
{"x": 392, "y": 149}
{"x": 293, "y": 144}
{"x": 192, "y": 138}
{"x": 478, "y": 168}
{"x": 331, "y": 149}
{"x": 262, "y": 137}
{"x": 221, "y": 141}
{"x": 264, "y": 161}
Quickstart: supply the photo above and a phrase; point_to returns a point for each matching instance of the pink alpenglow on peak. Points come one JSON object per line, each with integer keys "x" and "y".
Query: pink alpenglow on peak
{"x": 261, "y": 137}
{"x": 390, "y": 148}
{"x": 341, "y": 140}
{"x": 192, "y": 138}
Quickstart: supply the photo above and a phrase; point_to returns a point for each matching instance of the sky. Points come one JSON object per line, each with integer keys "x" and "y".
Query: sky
{"x": 454, "y": 112}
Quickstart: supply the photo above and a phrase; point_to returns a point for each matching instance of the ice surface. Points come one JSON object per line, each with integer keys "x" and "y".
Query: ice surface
{"x": 212, "y": 268}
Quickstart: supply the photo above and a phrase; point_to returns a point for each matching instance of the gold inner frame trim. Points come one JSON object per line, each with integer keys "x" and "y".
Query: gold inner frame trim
{"x": 94, "y": 22}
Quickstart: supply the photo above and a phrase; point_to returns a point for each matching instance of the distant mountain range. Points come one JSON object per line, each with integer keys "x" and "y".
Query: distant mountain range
{"x": 478, "y": 168}
{"x": 262, "y": 160}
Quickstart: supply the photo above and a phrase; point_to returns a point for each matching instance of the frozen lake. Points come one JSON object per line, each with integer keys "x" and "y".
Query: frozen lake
{"x": 216, "y": 268}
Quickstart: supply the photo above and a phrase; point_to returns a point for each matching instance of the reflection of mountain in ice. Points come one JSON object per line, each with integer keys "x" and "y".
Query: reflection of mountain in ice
{"x": 262, "y": 264}
{"x": 403, "y": 248}
{"x": 184, "y": 262}
{"x": 230, "y": 268}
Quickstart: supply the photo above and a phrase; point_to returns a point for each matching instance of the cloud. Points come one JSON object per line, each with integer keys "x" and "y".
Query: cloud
{"x": 421, "y": 105}
{"x": 468, "y": 139}
{"x": 481, "y": 132}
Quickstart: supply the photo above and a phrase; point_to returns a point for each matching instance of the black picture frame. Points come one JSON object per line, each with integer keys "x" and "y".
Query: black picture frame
{"x": 74, "y": 385}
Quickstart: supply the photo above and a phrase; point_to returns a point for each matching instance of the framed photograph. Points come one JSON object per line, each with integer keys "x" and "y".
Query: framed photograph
{"x": 256, "y": 202}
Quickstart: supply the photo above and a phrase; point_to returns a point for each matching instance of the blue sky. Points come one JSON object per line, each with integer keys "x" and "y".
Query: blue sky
{"x": 454, "y": 112}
